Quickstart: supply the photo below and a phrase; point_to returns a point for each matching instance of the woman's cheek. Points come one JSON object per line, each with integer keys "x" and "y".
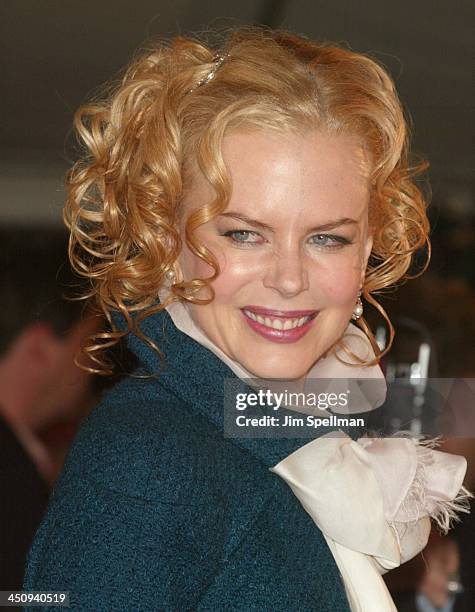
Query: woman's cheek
{"x": 339, "y": 283}
{"x": 195, "y": 267}
{"x": 237, "y": 273}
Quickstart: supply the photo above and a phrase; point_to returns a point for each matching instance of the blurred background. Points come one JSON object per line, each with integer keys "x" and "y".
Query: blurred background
{"x": 55, "y": 54}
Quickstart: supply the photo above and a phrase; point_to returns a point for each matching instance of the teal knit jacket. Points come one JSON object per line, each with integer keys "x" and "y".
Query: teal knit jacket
{"x": 157, "y": 510}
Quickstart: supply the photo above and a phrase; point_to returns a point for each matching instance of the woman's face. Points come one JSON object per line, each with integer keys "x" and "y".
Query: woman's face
{"x": 292, "y": 248}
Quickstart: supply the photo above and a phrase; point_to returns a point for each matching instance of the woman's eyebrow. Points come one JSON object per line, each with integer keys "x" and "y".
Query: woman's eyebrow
{"x": 318, "y": 228}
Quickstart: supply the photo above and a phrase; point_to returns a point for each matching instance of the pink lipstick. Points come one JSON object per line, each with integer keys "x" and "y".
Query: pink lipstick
{"x": 282, "y": 326}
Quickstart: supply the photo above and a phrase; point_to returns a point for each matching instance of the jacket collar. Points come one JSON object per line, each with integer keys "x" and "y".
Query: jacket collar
{"x": 197, "y": 376}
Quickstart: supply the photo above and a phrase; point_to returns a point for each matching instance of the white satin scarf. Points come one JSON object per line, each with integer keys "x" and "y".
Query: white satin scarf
{"x": 373, "y": 499}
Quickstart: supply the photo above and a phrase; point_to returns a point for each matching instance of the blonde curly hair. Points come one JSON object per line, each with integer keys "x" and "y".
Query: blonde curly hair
{"x": 141, "y": 143}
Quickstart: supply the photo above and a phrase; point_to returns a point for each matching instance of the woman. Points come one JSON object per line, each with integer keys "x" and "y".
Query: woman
{"x": 258, "y": 193}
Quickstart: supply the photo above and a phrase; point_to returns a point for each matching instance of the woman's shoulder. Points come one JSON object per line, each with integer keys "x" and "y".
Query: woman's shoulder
{"x": 134, "y": 440}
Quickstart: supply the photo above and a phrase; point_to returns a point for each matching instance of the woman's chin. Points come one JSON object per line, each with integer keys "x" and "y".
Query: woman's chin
{"x": 278, "y": 361}
{"x": 280, "y": 371}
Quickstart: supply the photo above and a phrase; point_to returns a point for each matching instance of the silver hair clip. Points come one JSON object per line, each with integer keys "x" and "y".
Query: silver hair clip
{"x": 217, "y": 61}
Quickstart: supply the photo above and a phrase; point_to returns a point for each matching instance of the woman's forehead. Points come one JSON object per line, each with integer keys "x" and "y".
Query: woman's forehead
{"x": 318, "y": 156}
{"x": 277, "y": 174}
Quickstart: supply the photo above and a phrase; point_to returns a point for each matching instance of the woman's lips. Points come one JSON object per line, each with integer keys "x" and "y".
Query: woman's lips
{"x": 269, "y": 312}
{"x": 279, "y": 318}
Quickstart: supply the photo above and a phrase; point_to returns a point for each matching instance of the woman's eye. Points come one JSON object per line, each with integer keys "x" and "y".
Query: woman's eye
{"x": 329, "y": 241}
{"x": 249, "y": 237}
{"x": 243, "y": 236}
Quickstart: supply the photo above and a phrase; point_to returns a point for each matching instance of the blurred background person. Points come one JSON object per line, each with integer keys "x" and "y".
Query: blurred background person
{"x": 437, "y": 585}
{"x": 43, "y": 394}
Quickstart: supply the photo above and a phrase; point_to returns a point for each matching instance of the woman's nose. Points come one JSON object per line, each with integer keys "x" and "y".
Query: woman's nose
{"x": 287, "y": 274}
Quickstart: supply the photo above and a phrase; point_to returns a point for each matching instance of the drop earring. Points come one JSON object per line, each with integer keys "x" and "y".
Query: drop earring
{"x": 170, "y": 276}
{"x": 358, "y": 309}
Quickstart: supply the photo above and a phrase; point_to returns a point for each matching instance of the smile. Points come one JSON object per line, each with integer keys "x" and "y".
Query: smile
{"x": 279, "y": 326}
{"x": 280, "y": 323}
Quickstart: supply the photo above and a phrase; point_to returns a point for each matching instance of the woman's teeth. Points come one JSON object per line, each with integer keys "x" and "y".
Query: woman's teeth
{"x": 280, "y": 323}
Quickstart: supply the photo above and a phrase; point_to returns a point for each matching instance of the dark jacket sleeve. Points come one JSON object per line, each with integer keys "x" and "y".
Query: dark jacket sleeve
{"x": 123, "y": 531}
{"x": 113, "y": 552}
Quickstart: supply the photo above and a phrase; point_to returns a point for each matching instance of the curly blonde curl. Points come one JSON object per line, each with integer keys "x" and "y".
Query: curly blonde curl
{"x": 142, "y": 142}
